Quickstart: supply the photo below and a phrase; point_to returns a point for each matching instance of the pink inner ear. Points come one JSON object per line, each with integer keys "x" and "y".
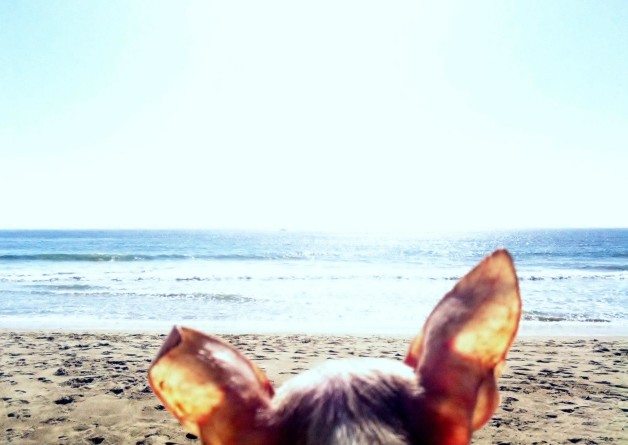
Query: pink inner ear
{"x": 224, "y": 362}
{"x": 212, "y": 388}
{"x": 465, "y": 338}
{"x": 478, "y": 318}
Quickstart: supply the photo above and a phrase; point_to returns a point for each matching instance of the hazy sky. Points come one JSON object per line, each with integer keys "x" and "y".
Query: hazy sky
{"x": 350, "y": 115}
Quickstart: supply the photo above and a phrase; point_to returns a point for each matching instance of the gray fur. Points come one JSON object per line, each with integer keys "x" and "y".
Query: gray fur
{"x": 347, "y": 402}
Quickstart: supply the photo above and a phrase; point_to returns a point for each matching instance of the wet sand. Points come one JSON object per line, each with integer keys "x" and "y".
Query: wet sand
{"x": 91, "y": 388}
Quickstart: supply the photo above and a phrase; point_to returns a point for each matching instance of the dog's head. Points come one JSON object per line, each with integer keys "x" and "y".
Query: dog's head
{"x": 443, "y": 390}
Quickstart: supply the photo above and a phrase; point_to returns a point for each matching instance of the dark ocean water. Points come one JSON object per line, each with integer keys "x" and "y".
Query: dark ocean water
{"x": 573, "y": 282}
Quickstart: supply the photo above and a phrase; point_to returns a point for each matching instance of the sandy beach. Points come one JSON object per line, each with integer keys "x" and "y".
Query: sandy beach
{"x": 91, "y": 388}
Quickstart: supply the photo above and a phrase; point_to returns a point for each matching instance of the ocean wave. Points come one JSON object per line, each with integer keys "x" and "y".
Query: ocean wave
{"x": 105, "y": 257}
{"x": 573, "y": 277}
{"x": 65, "y": 287}
{"x": 90, "y": 257}
{"x": 391, "y": 277}
{"x": 556, "y": 318}
{"x": 216, "y": 297}
{"x": 608, "y": 267}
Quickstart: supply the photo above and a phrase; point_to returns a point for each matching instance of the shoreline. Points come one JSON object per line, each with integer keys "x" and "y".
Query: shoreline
{"x": 91, "y": 387}
{"x": 527, "y": 329}
{"x": 278, "y": 333}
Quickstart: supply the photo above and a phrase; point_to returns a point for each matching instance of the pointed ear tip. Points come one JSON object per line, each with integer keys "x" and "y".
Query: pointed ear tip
{"x": 182, "y": 330}
{"x": 186, "y": 334}
{"x": 500, "y": 265}
{"x": 174, "y": 339}
{"x": 500, "y": 259}
{"x": 502, "y": 254}
{"x": 508, "y": 270}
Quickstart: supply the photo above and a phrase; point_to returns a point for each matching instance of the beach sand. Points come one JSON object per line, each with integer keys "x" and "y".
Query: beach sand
{"x": 91, "y": 388}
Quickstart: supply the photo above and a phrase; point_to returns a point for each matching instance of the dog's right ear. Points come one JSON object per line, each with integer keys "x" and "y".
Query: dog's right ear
{"x": 212, "y": 388}
{"x": 462, "y": 349}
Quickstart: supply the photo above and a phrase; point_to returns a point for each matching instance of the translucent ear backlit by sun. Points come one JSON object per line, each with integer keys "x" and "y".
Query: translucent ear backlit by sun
{"x": 189, "y": 395}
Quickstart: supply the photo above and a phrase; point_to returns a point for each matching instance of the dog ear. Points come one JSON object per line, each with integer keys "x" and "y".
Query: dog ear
{"x": 213, "y": 389}
{"x": 462, "y": 348}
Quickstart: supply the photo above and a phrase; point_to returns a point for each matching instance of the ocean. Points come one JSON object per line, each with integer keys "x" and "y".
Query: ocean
{"x": 573, "y": 282}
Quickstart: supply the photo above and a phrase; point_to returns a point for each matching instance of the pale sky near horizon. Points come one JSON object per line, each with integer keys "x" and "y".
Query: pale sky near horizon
{"x": 327, "y": 115}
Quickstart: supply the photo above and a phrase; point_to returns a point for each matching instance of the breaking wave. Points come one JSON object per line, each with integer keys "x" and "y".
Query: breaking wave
{"x": 104, "y": 257}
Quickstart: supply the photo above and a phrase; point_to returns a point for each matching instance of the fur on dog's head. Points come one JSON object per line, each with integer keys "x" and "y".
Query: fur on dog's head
{"x": 443, "y": 391}
{"x": 347, "y": 402}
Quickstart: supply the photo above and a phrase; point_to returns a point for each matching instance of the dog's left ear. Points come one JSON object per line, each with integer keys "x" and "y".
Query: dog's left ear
{"x": 213, "y": 389}
{"x": 462, "y": 350}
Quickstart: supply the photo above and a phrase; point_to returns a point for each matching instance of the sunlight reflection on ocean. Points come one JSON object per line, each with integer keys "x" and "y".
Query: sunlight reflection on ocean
{"x": 573, "y": 282}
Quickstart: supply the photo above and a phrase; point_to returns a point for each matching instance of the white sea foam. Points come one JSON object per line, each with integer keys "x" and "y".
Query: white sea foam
{"x": 572, "y": 282}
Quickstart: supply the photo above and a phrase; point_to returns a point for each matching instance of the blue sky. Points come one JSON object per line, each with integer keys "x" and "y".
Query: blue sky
{"x": 350, "y": 115}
